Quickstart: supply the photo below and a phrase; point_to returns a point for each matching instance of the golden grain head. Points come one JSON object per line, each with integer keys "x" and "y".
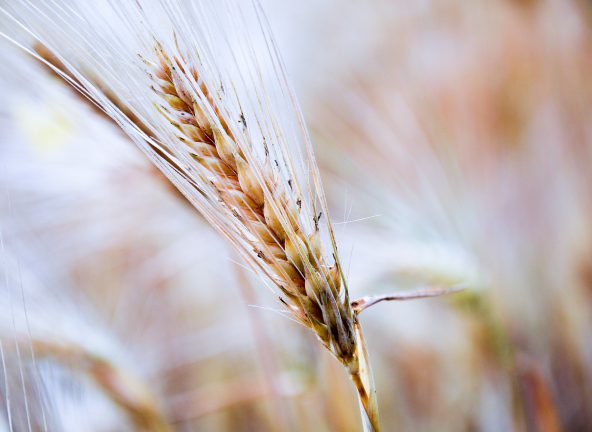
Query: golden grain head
{"x": 271, "y": 215}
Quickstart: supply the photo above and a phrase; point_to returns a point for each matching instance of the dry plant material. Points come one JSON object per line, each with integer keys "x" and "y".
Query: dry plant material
{"x": 124, "y": 389}
{"x": 292, "y": 257}
{"x": 365, "y": 302}
{"x": 312, "y": 288}
{"x": 57, "y": 69}
{"x": 540, "y": 409}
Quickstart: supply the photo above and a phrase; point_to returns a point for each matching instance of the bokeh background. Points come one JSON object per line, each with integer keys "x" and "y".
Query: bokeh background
{"x": 455, "y": 144}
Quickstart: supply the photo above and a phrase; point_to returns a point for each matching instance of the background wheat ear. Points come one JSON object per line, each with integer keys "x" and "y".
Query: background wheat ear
{"x": 46, "y": 326}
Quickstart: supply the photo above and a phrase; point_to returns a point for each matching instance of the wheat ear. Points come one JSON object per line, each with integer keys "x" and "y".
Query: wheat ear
{"x": 124, "y": 389}
{"x": 311, "y": 289}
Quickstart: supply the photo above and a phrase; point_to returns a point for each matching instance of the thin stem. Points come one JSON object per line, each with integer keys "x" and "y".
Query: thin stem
{"x": 362, "y": 303}
{"x": 361, "y": 375}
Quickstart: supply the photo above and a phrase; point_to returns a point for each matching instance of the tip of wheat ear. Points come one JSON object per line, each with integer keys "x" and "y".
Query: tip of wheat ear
{"x": 271, "y": 218}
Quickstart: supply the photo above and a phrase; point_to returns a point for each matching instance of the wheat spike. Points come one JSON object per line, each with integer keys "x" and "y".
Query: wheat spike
{"x": 310, "y": 287}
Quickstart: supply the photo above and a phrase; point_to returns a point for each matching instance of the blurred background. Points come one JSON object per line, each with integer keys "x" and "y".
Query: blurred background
{"x": 455, "y": 145}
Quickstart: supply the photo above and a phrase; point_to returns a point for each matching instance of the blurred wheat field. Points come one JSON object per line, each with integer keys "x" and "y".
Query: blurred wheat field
{"x": 453, "y": 141}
